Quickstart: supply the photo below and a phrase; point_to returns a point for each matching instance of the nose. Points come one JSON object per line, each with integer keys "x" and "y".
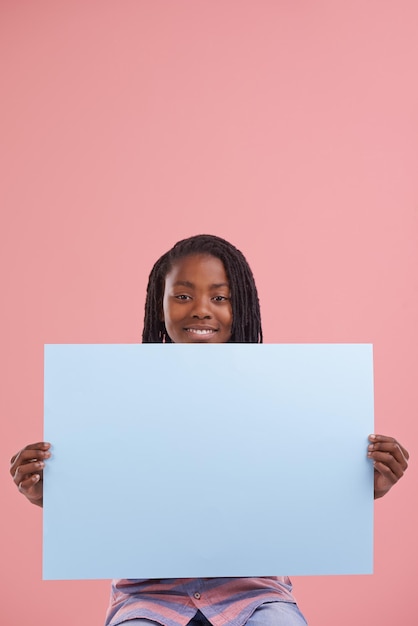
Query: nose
{"x": 201, "y": 309}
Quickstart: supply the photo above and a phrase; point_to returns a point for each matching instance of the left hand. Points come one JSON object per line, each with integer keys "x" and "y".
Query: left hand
{"x": 390, "y": 462}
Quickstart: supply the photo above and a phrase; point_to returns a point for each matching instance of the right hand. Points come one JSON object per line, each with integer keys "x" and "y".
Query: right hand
{"x": 26, "y": 469}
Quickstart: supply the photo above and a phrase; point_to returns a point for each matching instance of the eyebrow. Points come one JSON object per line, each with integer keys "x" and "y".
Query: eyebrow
{"x": 186, "y": 283}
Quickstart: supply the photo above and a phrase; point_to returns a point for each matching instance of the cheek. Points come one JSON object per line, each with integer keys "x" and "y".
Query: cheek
{"x": 170, "y": 313}
{"x": 165, "y": 314}
{"x": 229, "y": 317}
{"x": 164, "y": 309}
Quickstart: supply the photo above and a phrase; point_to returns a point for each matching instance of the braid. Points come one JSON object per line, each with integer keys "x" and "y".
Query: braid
{"x": 246, "y": 318}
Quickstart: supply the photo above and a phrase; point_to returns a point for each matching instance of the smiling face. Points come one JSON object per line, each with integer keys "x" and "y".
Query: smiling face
{"x": 197, "y": 301}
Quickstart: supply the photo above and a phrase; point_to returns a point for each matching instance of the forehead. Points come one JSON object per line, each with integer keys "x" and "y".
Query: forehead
{"x": 197, "y": 268}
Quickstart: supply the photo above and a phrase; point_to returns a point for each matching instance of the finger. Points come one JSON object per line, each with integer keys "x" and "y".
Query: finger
{"x": 384, "y": 438}
{"x": 28, "y": 455}
{"x": 31, "y": 451}
{"x": 404, "y": 451}
{"x": 31, "y": 488}
{"x": 386, "y": 460}
{"x": 386, "y": 472}
{"x": 40, "y": 445}
{"x": 23, "y": 472}
{"x": 28, "y": 483}
{"x": 391, "y": 448}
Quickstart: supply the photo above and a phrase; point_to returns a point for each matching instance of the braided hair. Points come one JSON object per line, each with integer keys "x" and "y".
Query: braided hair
{"x": 246, "y": 318}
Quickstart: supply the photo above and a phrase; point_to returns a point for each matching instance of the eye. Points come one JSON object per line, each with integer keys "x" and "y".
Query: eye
{"x": 182, "y": 296}
{"x": 221, "y": 298}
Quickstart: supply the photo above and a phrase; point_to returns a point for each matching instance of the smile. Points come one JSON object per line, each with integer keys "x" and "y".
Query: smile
{"x": 201, "y": 331}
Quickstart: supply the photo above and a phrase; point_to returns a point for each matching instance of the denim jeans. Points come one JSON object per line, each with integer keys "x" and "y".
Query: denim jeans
{"x": 268, "y": 614}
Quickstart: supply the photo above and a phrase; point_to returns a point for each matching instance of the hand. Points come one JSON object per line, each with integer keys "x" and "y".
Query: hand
{"x": 390, "y": 462}
{"x": 26, "y": 469}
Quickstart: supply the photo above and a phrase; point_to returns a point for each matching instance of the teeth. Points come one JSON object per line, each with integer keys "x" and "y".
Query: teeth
{"x": 199, "y": 331}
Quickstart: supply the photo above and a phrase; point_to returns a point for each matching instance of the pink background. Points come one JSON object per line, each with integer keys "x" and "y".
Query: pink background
{"x": 290, "y": 128}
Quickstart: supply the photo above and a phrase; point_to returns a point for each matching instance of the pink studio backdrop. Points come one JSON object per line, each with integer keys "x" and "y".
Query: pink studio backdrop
{"x": 290, "y": 128}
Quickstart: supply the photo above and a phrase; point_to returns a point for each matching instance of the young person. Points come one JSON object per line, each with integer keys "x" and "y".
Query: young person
{"x": 203, "y": 291}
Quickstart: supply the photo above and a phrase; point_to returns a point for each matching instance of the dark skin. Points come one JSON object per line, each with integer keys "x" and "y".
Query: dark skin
{"x": 26, "y": 469}
{"x": 390, "y": 461}
{"x": 389, "y": 457}
{"x": 196, "y": 308}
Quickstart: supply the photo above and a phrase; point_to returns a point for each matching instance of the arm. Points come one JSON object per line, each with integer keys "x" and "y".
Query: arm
{"x": 26, "y": 469}
{"x": 390, "y": 461}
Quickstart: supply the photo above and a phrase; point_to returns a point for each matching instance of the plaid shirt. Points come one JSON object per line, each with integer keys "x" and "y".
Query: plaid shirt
{"x": 174, "y": 601}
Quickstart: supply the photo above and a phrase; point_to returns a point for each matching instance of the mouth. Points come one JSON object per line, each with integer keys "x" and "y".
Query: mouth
{"x": 201, "y": 331}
